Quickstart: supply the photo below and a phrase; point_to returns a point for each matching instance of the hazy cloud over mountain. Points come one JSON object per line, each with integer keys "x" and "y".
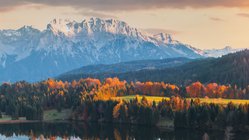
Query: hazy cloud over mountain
{"x": 158, "y": 30}
{"x": 203, "y": 23}
{"x": 107, "y": 5}
{"x": 246, "y": 15}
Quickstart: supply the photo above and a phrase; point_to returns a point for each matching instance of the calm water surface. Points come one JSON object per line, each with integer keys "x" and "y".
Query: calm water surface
{"x": 79, "y": 130}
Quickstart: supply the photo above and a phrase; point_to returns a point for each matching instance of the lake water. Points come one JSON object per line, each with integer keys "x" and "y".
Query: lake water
{"x": 79, "y": 130}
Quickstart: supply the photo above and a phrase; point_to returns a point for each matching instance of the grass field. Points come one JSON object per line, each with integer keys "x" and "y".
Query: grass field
{"x": 5, "y": 118}
{"x": 49, "y": 115}
{"x": 223, "y": 101}
{"x": 203, "y": 100}
{"x": 149, "y": 98}
{"x": 53, "y": 114}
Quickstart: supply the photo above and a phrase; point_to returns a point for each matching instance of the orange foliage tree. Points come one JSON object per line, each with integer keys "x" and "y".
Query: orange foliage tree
{"x": 195, "y": 90}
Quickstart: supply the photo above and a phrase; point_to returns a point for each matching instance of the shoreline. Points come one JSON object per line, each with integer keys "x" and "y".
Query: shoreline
{"x": 163, "y": 127}
{"x": 18, "y": 121}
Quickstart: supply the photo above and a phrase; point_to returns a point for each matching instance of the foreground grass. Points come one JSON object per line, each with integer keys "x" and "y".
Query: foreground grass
{"x": 203, "y": 100}
{"x": 5, "y": 118}
{"x": 165, "y": 123}
{"x": 49, "y": 115}
{"x": 53, "y": 114}
{"x": 149, "y": 98}
{"x": 223, "y": 101}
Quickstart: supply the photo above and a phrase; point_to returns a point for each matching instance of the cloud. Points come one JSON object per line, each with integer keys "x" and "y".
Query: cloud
{"x": 91, "y": 13}
{"x": 246, "y": 15}
{"x": 6, "y": 9}
{"x": 11, "y": 7}
{"x": 111, "y": 5}
{"x": 157, "y": 30}
{"x": 216, "y": 19}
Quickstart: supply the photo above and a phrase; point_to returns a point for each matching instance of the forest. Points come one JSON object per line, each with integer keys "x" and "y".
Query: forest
{"x": 229, "y": 69}
{"x": 94, "y": 100}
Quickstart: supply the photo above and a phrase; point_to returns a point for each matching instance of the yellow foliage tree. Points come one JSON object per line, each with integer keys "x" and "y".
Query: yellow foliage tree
{"x": 116, "y": 109}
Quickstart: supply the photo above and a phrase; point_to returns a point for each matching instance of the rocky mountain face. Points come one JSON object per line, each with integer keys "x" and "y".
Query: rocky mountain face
{"x": 32, "y": 55}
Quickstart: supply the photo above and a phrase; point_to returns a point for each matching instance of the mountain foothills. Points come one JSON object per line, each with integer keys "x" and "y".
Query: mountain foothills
{"x": 228, "y": 69}
{"x": 32, "y": 55}
{"x": 125, "y": 67}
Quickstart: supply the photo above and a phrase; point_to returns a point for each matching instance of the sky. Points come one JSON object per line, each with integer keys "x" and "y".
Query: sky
{"x": 204, "y": 24}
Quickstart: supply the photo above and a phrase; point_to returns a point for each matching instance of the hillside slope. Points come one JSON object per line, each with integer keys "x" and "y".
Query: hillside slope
{"x": 123, "y": 67}
{"x": 229, "y": 69}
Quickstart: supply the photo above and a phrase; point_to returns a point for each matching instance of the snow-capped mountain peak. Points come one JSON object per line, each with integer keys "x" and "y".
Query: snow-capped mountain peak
{"x": 220, "y": 52}
{"x": 163, "y": 37}
{"x": 64, "y": 26}
{"x": 68, "y": 44}
{"x": 228, "y": 48}
{"x": 26, "y": 29}
{"x": 91, "y": 26}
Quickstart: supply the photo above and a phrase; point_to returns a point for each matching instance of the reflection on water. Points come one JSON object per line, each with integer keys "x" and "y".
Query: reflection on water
{"x": 79, "y": 130}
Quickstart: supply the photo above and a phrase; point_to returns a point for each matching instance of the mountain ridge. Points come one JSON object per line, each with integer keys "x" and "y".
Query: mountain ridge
{"x": 128, "y": 66}
{"x": 229, "y": 69}
{"x": 32, "y": 55}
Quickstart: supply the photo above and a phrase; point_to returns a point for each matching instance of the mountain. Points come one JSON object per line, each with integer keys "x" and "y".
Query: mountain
{"x": 32, "y": 55}
{"x": 220, "y": 52}
{"x": 228, "y": 69}
{"x": 123, "y": 67}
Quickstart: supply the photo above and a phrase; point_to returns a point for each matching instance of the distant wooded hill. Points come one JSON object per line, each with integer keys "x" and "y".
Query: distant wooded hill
{"x": 229, "y": 69}
{"x": 124, "y": 67}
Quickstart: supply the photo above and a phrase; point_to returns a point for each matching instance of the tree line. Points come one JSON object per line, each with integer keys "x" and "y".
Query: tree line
{"x": 92, "y": 100}
{"x": 184, "y": 113}
{"x": 228, "y": 69}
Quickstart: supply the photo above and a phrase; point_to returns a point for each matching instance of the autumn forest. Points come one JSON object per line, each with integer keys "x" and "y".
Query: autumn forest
{"x": 92, "y": 100}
